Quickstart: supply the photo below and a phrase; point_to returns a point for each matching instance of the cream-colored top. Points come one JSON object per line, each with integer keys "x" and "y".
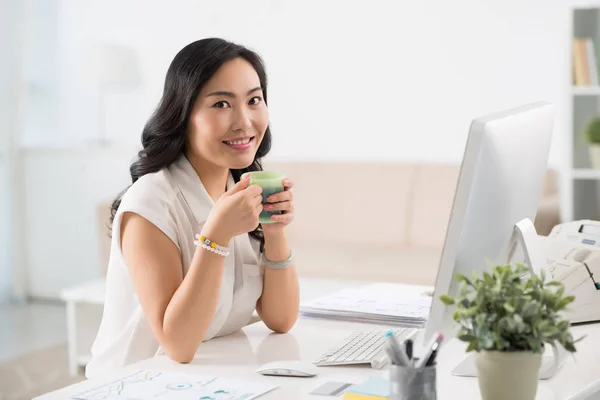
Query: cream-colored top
{"x": 174, "y": 200}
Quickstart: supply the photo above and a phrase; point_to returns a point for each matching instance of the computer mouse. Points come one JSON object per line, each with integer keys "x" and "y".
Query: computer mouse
{"x": 288, "y": 368}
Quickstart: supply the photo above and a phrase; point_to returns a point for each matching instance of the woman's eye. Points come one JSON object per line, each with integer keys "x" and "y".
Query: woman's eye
{"x": 255, "y": 100}
{"x": 221, "y": 104}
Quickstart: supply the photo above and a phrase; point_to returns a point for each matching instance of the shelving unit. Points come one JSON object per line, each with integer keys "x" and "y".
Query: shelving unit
{"x": 582, "y": 181}
{"x": 582, "y": 173}
{"x": 586, "y": 91}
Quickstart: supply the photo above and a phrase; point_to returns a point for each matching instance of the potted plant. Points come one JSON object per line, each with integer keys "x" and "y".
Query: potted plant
{"x": 507, "y": 320}
{"x": 592, "y": 136}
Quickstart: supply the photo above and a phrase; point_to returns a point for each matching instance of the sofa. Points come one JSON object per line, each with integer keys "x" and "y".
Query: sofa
{"x": 372, "y": 221}
{"x": 380, "y": 221}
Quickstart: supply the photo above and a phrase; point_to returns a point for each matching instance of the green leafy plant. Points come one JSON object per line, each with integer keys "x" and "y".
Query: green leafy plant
{"x": 502, "y": 311}
{"x": 592, "y": 131}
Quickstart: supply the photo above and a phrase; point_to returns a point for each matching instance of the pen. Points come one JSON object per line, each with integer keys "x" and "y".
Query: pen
{"x": 431, "y": 359}
{"x": 395, "y": 347}
{"x": 409, "y": 348}
{"x": 392, "y": 355}
{"x": 431, "y": 351}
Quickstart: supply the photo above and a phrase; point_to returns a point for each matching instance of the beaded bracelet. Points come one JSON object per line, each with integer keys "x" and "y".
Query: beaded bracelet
{"x": 209, "y": 245}
{"x": 277, "y": 264}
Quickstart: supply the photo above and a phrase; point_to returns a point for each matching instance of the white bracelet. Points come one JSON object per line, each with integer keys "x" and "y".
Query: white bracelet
{"x": 206, "y": 243}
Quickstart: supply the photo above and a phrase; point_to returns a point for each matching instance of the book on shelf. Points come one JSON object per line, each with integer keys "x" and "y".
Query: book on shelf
{"x": 585, "y": 65}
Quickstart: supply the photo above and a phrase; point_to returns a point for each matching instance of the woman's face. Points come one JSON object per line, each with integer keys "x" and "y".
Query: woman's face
{"x": 229, "y": 118}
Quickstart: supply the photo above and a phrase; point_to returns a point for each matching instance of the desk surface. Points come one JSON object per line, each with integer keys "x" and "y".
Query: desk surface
{"x": 93, "y": 291}
{"x": 238, "y": 355}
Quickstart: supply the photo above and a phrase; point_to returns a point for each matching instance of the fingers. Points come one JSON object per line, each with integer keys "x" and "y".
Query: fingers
{"x": 283, "y": 218}
{"x": 281, "y": 206}
{"x": 238, "y": 187}
{"x": 254, "y": 191}
{"x": 282, "y": 201}
{"x": 253, "y": 196}
{"x": 286, "y": 195}
{"x": 256, "y": 200}
{"x": 287, "y": 184}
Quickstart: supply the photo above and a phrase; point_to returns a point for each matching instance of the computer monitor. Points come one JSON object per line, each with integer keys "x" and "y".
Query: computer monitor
{"x": 499, "y": 186}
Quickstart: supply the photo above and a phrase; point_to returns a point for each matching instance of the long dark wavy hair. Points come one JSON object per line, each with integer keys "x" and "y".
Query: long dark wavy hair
{"x": 164, "y": 137}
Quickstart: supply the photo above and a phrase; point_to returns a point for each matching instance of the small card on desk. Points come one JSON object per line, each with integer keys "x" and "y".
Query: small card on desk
{"x": 374, "y": 388}
{"x": 331, "y": 389}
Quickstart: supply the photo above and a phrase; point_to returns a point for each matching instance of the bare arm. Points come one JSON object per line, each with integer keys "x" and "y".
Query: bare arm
{"x": 280, "y": 301}
{"x": 179, "y": 310}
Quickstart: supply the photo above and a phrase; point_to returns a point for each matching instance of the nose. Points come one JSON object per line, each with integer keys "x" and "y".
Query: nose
{"x": 242, "y": 120}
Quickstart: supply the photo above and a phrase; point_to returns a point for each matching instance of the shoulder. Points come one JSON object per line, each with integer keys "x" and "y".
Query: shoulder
{"x": 151, "y": 190}
{"x": 153, "y": 197}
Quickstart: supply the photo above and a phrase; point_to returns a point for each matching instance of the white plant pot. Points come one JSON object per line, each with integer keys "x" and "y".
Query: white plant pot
{"x": 508, "y": 375}
{"x": 594, "y": 150}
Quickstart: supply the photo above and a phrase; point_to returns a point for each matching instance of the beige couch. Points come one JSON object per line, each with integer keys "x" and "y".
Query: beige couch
{"x": 379, "y": 221}
{"x": 374, "y": 221}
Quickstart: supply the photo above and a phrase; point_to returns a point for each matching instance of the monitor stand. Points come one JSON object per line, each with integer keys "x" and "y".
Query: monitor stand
{"x": 525, "y": 236}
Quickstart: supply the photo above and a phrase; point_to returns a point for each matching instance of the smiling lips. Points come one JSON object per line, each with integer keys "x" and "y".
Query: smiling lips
{"x": 239, "y": 144}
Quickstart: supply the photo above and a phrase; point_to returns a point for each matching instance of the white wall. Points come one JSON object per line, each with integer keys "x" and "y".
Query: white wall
{"x": 64, "y": 190}
{"x": 362, "y": 79}
{"x": 366, "y": 80}
{"x": 10, "y": 81}
{"x": 6, "y": 71}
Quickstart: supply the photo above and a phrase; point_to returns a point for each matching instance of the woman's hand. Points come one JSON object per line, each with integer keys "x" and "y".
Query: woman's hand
{"x": 235, "y": 213}
{"x": 279, "y": 303}
{"x": 282, "y": 201}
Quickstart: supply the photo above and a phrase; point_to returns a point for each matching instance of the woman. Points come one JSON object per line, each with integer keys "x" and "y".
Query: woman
{"x": 166, "y": 290}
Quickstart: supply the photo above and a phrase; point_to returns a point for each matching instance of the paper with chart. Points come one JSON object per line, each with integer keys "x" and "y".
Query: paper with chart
{"x": 391, "y": 303}
{"x": 145, "y": 384}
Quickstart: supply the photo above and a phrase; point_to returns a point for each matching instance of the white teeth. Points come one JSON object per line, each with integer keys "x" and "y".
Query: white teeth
{"x": 238, "y": 142}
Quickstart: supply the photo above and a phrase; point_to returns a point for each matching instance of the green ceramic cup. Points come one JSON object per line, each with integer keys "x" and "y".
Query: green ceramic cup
{"x": 271, "y": 183}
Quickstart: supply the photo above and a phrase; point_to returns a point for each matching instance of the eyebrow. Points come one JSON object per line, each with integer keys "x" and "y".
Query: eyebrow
{"x": 230, "y": 94}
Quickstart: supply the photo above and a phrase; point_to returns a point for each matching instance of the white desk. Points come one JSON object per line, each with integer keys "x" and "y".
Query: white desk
{"x": 84, "y": 303}
{"x": 238, "y": 355}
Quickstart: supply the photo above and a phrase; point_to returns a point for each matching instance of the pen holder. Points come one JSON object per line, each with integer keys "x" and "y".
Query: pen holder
{"x": 408, "y": 383}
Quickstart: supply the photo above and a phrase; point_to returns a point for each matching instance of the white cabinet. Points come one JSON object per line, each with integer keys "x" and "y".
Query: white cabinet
{"x": 582, "y": 182}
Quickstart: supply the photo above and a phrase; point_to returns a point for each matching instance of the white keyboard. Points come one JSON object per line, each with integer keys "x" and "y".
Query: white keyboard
{"x": 362, "y": 348}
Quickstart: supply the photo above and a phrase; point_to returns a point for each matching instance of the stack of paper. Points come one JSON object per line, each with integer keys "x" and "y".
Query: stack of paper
{"x": 383, "y": 303}
{"x": 146, "y": 384}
